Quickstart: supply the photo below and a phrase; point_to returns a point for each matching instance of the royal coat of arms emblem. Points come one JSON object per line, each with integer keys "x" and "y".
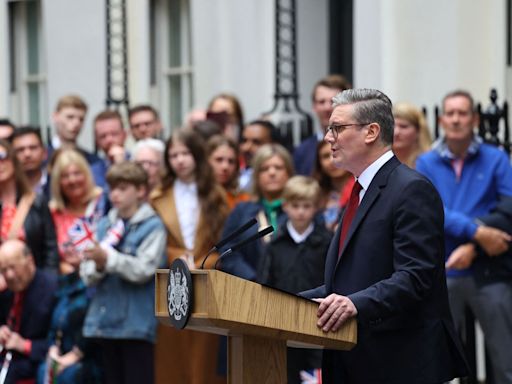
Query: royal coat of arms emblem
{"x": 179, "y": 293}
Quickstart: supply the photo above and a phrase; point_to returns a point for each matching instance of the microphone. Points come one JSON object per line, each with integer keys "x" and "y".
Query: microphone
{"x": 240, "y": 244}
{"x": 231, "y": 236}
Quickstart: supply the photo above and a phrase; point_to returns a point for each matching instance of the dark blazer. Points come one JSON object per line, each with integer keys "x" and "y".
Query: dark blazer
{"x": 392, "y": 268}
{"x": 304, "y": 156}
{"x": 36, "y": 314}
{"x": 244, "y": 263}
{"x": 294, "y": 267}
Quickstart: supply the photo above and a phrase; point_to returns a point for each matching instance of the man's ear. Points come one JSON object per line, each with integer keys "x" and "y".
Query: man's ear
{"x": 372, "y": 133}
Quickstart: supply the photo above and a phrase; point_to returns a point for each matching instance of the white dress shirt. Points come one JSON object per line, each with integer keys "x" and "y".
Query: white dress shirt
{"x": 296, "y": 236}
{"x": 366, "y": 177}
{"x": 187, "y": 207}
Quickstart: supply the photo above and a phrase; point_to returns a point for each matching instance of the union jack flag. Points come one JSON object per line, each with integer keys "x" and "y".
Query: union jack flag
{"x": 114, "y": 234}
{"x": 81, "y": 234}
{"x": 311, "y": 376}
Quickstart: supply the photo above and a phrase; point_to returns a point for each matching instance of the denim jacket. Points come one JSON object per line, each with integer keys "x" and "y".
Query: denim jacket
{"x": 123, "y": 305}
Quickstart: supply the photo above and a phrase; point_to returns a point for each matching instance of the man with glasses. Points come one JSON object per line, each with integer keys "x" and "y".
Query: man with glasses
{"x": 144, "y": 122}
{"x": 385, "y": 265}
{"x": 474, "y": 180}
{"x": 149, "y": 153}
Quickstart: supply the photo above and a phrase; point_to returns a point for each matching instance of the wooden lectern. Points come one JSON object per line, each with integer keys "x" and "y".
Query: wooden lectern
{"x": 259, "y": 322}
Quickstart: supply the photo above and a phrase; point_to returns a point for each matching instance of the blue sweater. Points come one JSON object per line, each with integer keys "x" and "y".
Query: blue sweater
{"x": 486, "y": 176}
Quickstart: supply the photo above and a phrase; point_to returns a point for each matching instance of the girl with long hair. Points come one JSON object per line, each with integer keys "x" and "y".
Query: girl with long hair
{"x": 193, "y": 208}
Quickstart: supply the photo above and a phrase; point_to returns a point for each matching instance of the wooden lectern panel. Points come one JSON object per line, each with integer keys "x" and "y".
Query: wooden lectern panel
{"x": 227, "y": 305}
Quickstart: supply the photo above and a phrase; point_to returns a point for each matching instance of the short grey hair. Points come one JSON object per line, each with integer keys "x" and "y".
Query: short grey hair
{"x": 459, "y": 93}
{"x": 370, "y": 106}
{"x": 156, "y": 145}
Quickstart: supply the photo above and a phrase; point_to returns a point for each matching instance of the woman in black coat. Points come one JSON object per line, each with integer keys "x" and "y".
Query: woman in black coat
{"x": 24, "y": 214}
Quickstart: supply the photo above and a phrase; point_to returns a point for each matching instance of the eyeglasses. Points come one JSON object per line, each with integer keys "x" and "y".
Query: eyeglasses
{"x": 336, "y": 129}
{"x": 148, "y": 163}
{"x": 3, "y": 156}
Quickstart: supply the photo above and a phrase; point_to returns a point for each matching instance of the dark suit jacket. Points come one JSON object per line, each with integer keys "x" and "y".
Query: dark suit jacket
{"x": 304, "y": 156}
{"x": 36, "y": 314}
{"x": 392, "y": 268}
{"x": 245, "y": 262}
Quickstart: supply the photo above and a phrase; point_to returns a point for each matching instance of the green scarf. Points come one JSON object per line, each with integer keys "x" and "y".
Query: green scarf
{"x": 272, "y": 210}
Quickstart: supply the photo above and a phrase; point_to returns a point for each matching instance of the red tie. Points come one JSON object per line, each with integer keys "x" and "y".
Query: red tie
{"x": 14, "y": 317}
{"x": 350, "y": 212}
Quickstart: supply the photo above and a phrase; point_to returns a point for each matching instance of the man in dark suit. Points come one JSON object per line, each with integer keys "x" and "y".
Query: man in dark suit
{"x": 324, "y": 90}
{"x": 387, "y": 270}
{"x": 26, "y": 308}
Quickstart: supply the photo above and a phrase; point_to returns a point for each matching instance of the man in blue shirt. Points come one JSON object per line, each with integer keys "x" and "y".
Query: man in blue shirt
{"x": 473, "y": 178}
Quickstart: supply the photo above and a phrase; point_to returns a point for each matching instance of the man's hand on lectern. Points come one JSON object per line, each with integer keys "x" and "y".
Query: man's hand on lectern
{"x": 333, "y": 311}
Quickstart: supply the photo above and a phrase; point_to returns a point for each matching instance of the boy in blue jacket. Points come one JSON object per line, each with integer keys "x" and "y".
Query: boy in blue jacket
{"x": 131, "y": 246}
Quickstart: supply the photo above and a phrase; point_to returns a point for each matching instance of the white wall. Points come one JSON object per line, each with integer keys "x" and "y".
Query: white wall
{"x": 137, "y": 12}
{"x": 313, "y": 46}
{"x": 233, "y": 50}
{"x": 76, "y": 53}
{"x": 418, "y": 50}
{"x": 413, "y": 50}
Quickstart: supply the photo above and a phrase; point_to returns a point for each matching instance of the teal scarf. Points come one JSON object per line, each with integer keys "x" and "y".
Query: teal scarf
{"x": 272, "y": 210}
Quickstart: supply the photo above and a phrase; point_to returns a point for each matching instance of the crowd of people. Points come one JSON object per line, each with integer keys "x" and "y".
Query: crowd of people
{"x": 82, "y": 233}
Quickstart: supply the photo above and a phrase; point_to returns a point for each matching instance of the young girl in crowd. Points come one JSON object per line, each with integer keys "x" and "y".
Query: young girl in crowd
{"x": 193, "y": 208}
{"x": 335, "y": 183}
{"x": 223, "y": 156}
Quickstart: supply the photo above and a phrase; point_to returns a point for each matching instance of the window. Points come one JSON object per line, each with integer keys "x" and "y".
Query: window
{"x": 174, "y": 49}
{"x": 27, "y": 74}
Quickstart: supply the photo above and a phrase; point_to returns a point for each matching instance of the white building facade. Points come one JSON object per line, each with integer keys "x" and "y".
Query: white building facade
{"x": 180, "y": 53}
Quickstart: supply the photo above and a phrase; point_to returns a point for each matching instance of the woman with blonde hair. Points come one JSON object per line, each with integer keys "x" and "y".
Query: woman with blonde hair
{"x": 272, "y": 167}
{"x": 76, "y": 203}
{"x": 411, "y": 133}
